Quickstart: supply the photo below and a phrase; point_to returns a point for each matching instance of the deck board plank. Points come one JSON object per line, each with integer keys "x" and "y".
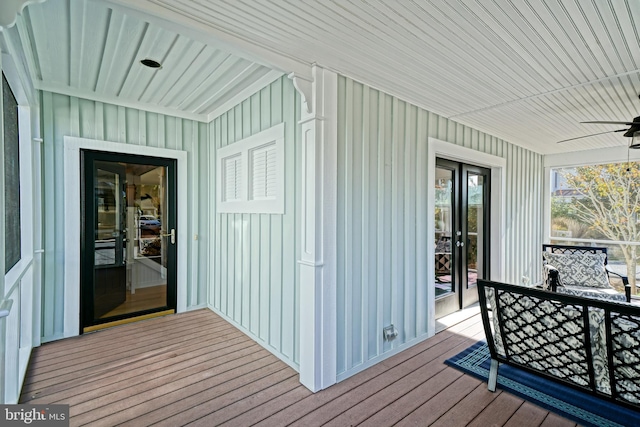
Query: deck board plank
{"x": 219, "y": 404}
{"x": 197, "y": 368}
{"x": 398, "y": 409}
{"x": 498, "y": 412}
{"x": 527, "y": 414}
{"x": 468, "y": 408}
{"x": 246, "y": 403}
{"x": 555, "y": 420}
{"x": 440, "y": 402}
{"x": 259, "y": 413}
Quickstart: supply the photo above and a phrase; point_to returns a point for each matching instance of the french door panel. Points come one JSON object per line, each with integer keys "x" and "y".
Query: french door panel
{"x": 462, "y": 222}
{"x": 447, "y": 289}
{"x": 475, "y": 228}
{"x": 110, "y": 269}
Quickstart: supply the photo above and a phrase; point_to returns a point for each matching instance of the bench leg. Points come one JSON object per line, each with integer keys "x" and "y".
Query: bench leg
{"x": 493, "y": 375}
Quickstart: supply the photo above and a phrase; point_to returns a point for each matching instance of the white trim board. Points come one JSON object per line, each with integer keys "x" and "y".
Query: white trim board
{"x": 72, "y": 147}
{"x": 498, "y": 166}
{"x": 236, "y": 99}
{"x": 592, "y": 157}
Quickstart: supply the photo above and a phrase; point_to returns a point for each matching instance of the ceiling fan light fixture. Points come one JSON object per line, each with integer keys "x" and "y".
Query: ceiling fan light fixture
{"x": 151, "y": 63}
{"x": 635, "y": 140}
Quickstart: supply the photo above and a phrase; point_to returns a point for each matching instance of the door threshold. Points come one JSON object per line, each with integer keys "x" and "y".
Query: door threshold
{"x": 459, "y": 316}
{"x": 125, "y": 321}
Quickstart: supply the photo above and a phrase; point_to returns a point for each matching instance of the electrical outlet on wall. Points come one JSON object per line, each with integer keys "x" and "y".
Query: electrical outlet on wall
{"x": 389, "y": 333}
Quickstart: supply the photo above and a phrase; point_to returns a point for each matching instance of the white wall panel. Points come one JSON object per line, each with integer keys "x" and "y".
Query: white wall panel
{"x": 381, "y": 190}
{"x": 254, "y": 281}
{"x": 64, "y": 115}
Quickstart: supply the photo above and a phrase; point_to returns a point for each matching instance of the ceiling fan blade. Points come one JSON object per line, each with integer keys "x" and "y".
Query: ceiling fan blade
{"x": 613, "y": 123}
{"x": 593, "y": 134}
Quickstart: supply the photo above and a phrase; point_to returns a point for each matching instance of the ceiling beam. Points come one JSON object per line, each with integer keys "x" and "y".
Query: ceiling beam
{"x": 544, "y": 94}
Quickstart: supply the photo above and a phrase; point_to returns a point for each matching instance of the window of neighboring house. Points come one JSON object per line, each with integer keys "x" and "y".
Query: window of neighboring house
{"x": 599, "y": 205}
{"x": 12, "y": 245}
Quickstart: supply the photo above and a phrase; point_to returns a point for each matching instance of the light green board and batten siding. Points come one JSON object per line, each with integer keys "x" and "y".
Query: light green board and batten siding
{"x": 64, "y": 115}
{"x": 380, "y": 278}
{"x": 252, "y": 279}
{"x": 249, "y": 261}
{"x": 254, "y": 269}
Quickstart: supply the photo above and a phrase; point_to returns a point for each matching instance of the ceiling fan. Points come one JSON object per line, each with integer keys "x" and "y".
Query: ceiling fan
{"x": 632, "y": 132}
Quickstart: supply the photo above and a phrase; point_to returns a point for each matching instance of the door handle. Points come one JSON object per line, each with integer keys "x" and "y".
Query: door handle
{"x": 172, "y": 235}
{"x": 459, "y": 243}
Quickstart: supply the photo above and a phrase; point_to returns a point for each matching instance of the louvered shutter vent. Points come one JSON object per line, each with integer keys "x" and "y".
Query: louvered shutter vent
{"x": 263, "y": 168}
{"x": 232, "y": 178}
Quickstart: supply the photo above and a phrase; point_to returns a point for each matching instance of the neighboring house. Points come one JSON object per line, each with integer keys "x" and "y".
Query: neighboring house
{"x": 560, "y": 188}
{"x": 333, "y": 241}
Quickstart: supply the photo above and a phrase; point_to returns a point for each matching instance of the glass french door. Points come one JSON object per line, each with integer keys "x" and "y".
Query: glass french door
{"x": 128, "y": 247}
{"x": 461, "y": 240}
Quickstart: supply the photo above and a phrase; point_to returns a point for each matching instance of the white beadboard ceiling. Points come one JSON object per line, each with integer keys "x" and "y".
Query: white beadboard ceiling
{"x": 527, "y": 71}
{"x": 90, "y": 49}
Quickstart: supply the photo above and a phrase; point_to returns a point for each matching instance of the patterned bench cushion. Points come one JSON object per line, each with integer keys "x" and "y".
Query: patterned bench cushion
{"x": 587, "y": 270}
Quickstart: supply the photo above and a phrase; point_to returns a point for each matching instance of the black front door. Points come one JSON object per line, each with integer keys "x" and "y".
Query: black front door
{"x": 129, "y": 231}
{"x": 461, "y": 233}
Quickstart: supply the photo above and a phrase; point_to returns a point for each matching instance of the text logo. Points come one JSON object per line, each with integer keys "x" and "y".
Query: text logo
{"x": 34, "y": 415}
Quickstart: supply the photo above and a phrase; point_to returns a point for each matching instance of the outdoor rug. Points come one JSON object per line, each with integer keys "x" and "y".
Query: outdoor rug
{"x": 568, "y": 402}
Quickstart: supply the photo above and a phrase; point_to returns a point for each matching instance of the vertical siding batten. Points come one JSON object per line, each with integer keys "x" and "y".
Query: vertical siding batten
{"x": 355, "y": 229}
{"x": 366, "y": 224}
{"x": 411, "y": 187}
{"x": 343, "y": 111}
{"x": 348, "y": 207}
{"x": 421, "y": 212}
{"x": 394, "y": 256}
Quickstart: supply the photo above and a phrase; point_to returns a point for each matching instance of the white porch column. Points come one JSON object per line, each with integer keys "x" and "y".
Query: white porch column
{"x": 318, "y": 230}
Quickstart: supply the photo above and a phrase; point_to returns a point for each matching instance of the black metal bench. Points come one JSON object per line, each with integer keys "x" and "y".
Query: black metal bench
{"x": 555, "y": 279}
{"x": 592, "y": 345}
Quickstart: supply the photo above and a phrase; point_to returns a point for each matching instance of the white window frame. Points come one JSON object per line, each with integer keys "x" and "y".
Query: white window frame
{"x": 13, "y": 276}
{"x": 246, "y": 203}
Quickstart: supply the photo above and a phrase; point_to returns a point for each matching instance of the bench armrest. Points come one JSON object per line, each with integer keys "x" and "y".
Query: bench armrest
{"x": 552, "y": 274}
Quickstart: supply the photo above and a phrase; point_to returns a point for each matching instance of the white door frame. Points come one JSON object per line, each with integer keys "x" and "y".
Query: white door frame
{"x": 498, "y": 165}
{"x": 72, "y": 225}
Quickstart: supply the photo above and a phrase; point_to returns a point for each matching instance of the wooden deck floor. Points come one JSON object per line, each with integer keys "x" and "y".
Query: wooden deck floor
{"x": 194, "y": 368}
